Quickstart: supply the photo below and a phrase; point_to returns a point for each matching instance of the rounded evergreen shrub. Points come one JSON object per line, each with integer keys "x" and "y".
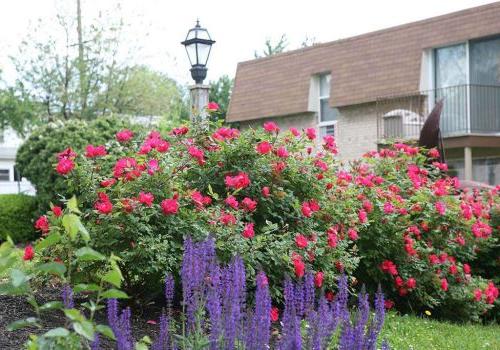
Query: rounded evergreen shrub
{"x": 36, "y": 157}
{"x": 17, "y": 213}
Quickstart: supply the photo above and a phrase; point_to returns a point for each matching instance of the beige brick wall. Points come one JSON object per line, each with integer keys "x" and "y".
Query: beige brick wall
{"x": 356, "y": 128}
{"x": 297, "y": 121}
{"x": 356, "y": 131}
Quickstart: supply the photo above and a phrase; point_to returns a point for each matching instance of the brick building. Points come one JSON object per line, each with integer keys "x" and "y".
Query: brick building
{"x": 380, "y": 86}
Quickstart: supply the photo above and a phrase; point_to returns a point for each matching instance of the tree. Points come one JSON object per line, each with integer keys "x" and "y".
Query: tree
{"x": 17, "y": 111}
{"x": 139, "y": 90}
{"x": 82, "y": 70}
{"x": 220, "y": 92}
{"x": 271, "y": 48}
{"x": 308, "y": 41}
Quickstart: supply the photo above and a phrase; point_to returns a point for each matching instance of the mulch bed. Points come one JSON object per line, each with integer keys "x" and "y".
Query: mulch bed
{"x": 13, "y": 308}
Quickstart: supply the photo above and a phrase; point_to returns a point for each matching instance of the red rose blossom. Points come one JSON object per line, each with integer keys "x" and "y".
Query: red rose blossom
{"x": 124, "y": 135}
{"x": 249, "y": 204}
{"x": 212, "y": 106}
{"x": 169, "y": 206}
{"x": 444, "y": 284}
{"x": 65, "y": 166}
{"x": 301, "y": 241}
{"x": 311, "y": 133}
{"x": 146, "y": 198}
{"x": 42, "y": 224}
{"x": 29, "y": 253}
{"x": 241, "y": 180}
{"x": 274, "y": 314}
{"x": 318, "y": 279}
{"x": 248, "y": 231}
{"x": 57, "y": 211}
{"x": 271, "y": 127}
{"x": 95, "y": 151}
{"x": 299, "y": 267}
{"x": 263, "y": 147}
{"x": 265, "y": 191}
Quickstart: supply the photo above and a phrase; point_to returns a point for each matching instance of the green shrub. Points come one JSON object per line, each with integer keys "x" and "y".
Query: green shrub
{"x": 17, "y": 212}
{"x": 36, "y": 157}
{"x": 285, "y": 206}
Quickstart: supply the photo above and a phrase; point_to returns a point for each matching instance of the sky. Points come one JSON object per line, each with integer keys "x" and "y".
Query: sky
{"x": 239, "y": 27}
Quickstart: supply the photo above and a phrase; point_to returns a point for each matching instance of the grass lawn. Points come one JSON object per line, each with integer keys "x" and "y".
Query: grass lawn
{"x": 411, "y": 332}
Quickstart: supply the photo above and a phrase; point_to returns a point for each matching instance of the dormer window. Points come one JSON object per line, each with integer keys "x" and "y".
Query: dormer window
{"x": 327, "y": 116}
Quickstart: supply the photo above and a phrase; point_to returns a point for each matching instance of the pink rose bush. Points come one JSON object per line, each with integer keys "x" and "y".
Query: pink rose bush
{"x": 282, "y": 201}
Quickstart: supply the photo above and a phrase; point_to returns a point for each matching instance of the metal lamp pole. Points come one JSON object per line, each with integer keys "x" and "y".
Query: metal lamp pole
{"x": 198, "y": 45}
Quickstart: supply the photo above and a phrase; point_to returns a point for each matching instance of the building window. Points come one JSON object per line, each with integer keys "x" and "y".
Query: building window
{"x": 327, "y": 116}
{"x": 467, "y": 78}
{"x": 4, "y": 175}
{"x": 17, "y": 175}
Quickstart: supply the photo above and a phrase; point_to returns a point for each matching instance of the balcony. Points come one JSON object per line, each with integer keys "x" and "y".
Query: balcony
{"x": 467, "y": 110}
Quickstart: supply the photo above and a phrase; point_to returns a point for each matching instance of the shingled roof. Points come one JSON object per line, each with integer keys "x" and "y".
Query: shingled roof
{"x": 364, "y": 67}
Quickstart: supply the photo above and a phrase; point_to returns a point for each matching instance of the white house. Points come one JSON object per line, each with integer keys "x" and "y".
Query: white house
{"x": 10, "y": 181}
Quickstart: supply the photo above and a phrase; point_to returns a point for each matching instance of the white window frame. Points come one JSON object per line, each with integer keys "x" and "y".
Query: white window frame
{"x": 322, "y": 124}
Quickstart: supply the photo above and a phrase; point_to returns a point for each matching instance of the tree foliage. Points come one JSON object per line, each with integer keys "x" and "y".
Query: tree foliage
{"x": 220, "y": 92}
{"x": 272, "y": 48}
{"x": 82, "y": 69}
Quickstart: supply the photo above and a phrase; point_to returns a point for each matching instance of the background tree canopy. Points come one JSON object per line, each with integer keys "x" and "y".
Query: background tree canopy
{"x": 82, "y": 70}
{"x": 220, "y": 92}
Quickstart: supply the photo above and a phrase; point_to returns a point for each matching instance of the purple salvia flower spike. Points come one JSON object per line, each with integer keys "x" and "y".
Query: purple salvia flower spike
{"x": 67, "y": 297}
{"x": 96, "y": 343}
{"x": 262, "y": 314}
{"x": 213, "y": 305}
{"x": 169, "y": 290}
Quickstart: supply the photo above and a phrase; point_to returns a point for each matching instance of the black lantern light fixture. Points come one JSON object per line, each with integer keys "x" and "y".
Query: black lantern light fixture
{"x": 198, "y": 44}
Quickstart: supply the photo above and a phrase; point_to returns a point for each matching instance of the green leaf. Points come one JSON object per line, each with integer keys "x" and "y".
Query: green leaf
{"x": 71, "y": 224}
{"x": 52, "y": 268}
{"x": 7, "y": 262}
{"x": 18, "y": 278}
{"x": 32, "y": 301}
{"x": 105, "y": 330}
{"x": 141, "y": 346}
{"x": 48, "y": 241}
{"x": 88, "y": 254}
{"x": 82, "y": 287}
{"x": 51, "y": 305}
{"x": 114, "y": 277}
{"x": 115, "y": 294}
{"x": 73, "y": 205}
{"x": 30, "y": 321}
{"x": 84, "y": 232}
{"x": 74, "y": 315}
{"x": 84, "y": 328}
{"x": 57, "y": 332}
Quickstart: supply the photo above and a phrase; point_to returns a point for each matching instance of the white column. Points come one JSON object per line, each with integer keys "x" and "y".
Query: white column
{"x": 468, "y": 163}
{"x": 199, "y": 101}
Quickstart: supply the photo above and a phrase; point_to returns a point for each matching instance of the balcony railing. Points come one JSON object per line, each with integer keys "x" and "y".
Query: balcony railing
{"x": 467, "y": 109}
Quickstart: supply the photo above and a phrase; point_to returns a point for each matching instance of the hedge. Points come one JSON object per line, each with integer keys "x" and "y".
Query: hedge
{"x": 17, "y": 217}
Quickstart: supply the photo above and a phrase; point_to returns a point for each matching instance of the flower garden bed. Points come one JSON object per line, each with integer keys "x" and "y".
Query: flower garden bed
{"x": 290, "y": 213}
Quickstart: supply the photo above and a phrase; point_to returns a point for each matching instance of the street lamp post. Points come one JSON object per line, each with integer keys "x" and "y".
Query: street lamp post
{"x": 198, "y": 45}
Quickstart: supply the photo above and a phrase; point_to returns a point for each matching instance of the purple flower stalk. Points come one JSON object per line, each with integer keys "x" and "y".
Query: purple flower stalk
{"x": 96, "y": 343}
{"x": 163, "y": 340}
{"x": 214, "y": 306}
{"x": 262, "y": 314}
{"x": 121, "y": 325}
{"x": 67, "y": 297}
{"x": 169, "y": 290}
